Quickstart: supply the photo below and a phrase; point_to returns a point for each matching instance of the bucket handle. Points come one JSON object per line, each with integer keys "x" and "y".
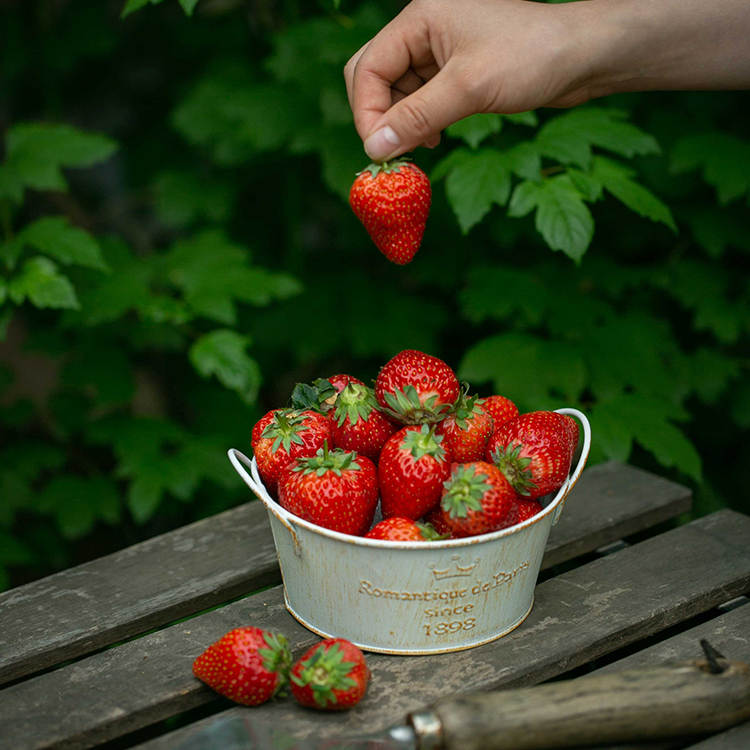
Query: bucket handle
{"x": 573, "y": 478}
{"x": 240, "y": 461}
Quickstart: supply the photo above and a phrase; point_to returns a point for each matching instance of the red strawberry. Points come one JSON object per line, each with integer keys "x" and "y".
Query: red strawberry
{"x": 478, "y": 499}
{"x": 412, "y": 468}
{"x": 358, "y": 424}
{"x": 502, "y": 409}
{"x": 534, "y": 451}
{"x": 414, "y": 387}
{"x": 436, "y": 519}
{"x": 528, "y": 509}
{"x": 247, "y": 665}
{"x": 399, "y": 529}
{"x": 392, "y": 200}
{"x": 321, "y": 395}
{"x": 467, "y": 428}
{"x": 332, "y": 676}
{"x": 284, "y": 434}
{"x": 334, "y": 489}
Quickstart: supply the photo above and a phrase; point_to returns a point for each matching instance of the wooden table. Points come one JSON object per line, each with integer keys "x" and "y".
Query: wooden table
{"x": 100, "y": 655}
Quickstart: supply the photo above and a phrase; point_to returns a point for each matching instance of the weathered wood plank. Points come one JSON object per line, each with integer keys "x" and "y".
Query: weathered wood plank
{"x": 178, "y": 574}
{"x": 733, "y": 739}
{"x": 578, "y": 616}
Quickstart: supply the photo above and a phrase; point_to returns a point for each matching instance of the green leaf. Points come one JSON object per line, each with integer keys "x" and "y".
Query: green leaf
{"x": 724, "y": 161}
{"x": 476, "y": 128}
{"x": 524, "y": 199}
{"x": 188, "y": 6}
{"x": 11, "y": 185}
{"x": 562, "y": 217}
{"x": 711, "y": 373}
{"x": 222, "y": 353}
{"x": 54, "y": 236}
{"x": 525, "y": 160}
{"x": 523, "y": 118}
{"x": 184, "y": 197}
{"x": 528, "y": 370}
{"x": 587, "y": 185}
{"x": 568, "y": 138}
{"x": 38, "y": 151}
{"x": 78, "y": 503}
{"x": 41, "y": 283}
{"x": 475, "y": 181}
{"x": 133, "y": 5}
{"x": 31, "y": 458}
{"x": 616, "y": 178}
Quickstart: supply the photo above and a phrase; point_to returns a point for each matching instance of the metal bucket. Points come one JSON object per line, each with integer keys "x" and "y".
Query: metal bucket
{"x": 411, "y": 598}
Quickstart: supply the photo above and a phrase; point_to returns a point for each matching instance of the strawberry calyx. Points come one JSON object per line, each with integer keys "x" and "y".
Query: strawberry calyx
{"x": 355, "y": 402}
{"x": 464, "y": 492}
{"x": 318, "y": 396}
{"x": 277, "y": 658}
{"x": 337, "y": 461}
{"x": 429, "y": 533}
{"x": 285, "y": 429}
{"x": 465, "y": 407}
{"x": 406, "y": 407}
{"x": 325, "y": 671}
{"x": 514, "y": 467}
{"x": 424, "y": 442}
{"x": 386, "y": 166}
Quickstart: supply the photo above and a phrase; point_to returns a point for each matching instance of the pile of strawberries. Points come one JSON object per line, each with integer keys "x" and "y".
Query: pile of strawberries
{"x": 442, "y": 462}
{"x": 251, "y": 666}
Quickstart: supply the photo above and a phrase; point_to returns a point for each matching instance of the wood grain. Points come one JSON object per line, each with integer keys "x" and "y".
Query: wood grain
{"x": 209, "y": 562}
{"x": 582, "y": 614}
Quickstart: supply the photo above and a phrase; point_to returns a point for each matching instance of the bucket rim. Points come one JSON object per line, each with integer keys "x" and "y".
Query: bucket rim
{"x": 241, "y": 463}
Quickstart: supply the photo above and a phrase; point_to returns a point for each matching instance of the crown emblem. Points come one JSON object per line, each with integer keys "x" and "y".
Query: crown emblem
{"x": 454, "y": 570}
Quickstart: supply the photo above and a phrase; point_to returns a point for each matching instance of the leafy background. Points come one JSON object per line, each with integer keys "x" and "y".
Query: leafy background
{"x": 177, "y": 252}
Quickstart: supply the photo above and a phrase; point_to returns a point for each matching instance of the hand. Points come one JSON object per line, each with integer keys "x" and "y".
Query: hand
{"x": 442, "y": 60}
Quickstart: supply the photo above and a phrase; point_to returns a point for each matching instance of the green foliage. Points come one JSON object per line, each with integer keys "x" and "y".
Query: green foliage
{"x": 176, "y": 252}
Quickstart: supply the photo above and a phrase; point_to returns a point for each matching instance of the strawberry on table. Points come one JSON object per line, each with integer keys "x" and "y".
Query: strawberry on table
{"x": 336, "y": 489}
{"x": 467, "y": 428}
{"x": 478, "y": 499}
{"x": 414, "y": 387}
{"x": 357, "y": 422}
{"x": 247, "y": 665}
{"x": 392, "y": 200}
{"x": 321, "y": 394}
{"x": 400, "y": 529}
{"x": 528, "y": 509}
{"x": 332, "y": 675}
{"x": 502, "y": 409}
{"x": 284, "y": 434}
{"x": 534, "y": 451}
{"x": 412, "y": 468}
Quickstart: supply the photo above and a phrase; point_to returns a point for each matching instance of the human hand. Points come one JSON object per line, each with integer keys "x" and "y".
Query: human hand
{"x": 441, "y": 60}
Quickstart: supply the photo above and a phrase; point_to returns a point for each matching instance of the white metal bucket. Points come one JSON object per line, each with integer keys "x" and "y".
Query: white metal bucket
{"x": 411, "y": 598}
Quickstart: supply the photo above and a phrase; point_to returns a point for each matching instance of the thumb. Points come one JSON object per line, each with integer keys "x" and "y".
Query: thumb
{"x": 419, "y": 117}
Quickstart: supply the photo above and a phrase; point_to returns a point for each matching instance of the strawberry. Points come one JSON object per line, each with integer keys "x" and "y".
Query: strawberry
{"x": 334, "y": 489}
{"x": 358, "y": 424}
{"x": 321, "y": 395}
{"x": 284, "y": 434}
{"x": 392, "y": 200}
{"x": 534, "y": 451}
{"x": 467, "y": 428}
{"x": 528, "y": 509}
{"x": 502, "y": 409}
{"x": 332, "y": 675}
{"x": 412, "y": 468}
{"x": 478, "y": 499}
{"x": 436, "y": 519}
{"x": 400, "y": 529}
{"x": 414, "y": 387}
{"x": 247, "y": 665}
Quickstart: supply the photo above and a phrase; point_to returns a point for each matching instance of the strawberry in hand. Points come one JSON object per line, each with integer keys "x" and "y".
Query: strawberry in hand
{"x": 414, "y": 387}
{"x": 247, "y": 665}
{"x": 392, "y": 200}
{"x": 332, "y": 675}
{"x": 336, "y": 489}
{"x": 534, "y": 451}
{"x": 478, "y": 499}
{"x": 284, "y": 434}
{"x": 358, "y": 424}
{"x": 412, "y": 468}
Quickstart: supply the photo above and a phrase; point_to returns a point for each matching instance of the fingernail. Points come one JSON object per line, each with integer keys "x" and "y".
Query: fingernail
{"x": 382, "y": 143}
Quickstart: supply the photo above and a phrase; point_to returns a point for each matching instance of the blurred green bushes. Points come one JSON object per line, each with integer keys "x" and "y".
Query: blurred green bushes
{"x": 177, "y": 252}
